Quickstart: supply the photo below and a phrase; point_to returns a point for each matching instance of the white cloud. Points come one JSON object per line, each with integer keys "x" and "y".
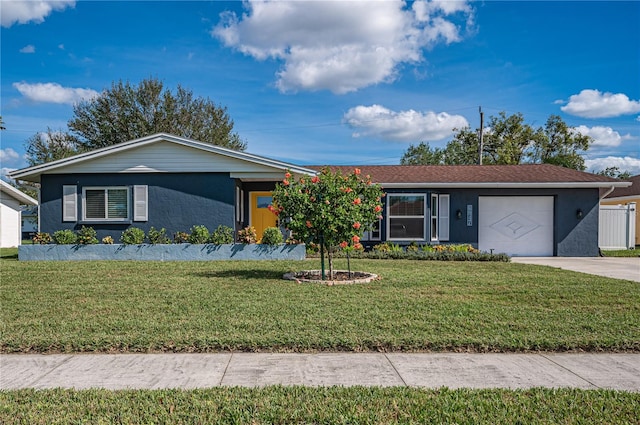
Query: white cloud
{"x": 626, "y": 163}
{"x": 403, "y": 126}
{"x": 8, "y": 155}
{"x": 595, "y": 104}
{"x": 4, "y": 173}
{"x": 603, "y": 136}
{"x": 24, "y": 11}
{"x": 54, "y": 93}
{"x": 29, "y": 48}
{"x": 337, "y": 45}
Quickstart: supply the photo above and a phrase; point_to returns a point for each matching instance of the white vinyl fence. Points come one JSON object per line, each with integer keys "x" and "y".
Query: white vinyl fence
{"x": 617, "y": 226}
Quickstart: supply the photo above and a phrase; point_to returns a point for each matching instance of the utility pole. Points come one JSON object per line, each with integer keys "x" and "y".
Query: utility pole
{"x": 480, "y": 147}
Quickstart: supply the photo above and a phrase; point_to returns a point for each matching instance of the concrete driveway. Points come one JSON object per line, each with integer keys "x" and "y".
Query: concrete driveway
{"x": 618, "y": 268}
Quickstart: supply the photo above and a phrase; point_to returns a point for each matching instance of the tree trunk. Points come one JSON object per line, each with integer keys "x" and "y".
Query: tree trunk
{"x": 330, "y": 255}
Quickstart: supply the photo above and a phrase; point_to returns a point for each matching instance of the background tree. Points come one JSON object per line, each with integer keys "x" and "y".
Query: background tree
{"x": 615, "y": 173}
{"x": 508, "y": 140}
{"x": 2, "y": 127}
{"x": 330, "y": 210}
{"x": 559, "y": 144}
{"x": 422, "y": 154}
{"x": 463, "y": 148}
{"x": 50, "y": 146}
{"x": 126, "y": 112}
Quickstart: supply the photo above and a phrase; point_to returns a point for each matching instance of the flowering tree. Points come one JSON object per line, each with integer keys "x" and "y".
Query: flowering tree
{"x": 329, "y": 209}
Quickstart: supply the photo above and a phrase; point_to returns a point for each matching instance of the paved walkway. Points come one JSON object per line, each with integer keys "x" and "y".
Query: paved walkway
{"x": 618, "y": 268}
{"x": 429, "y": 370}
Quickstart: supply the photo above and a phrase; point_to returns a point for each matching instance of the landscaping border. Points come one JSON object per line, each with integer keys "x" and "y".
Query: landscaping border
{"x": 161, "y": 252}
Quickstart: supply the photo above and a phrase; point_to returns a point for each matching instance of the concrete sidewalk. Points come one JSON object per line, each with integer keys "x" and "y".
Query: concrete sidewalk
{"x": 618, "y": 268}
{"x": 429, "y": 370}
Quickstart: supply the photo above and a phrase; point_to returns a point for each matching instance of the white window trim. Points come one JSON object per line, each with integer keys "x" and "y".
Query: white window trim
{"x": 241, "y": 205}
{"x": 424, "y": 216}
{"x": 105, "y": 220}
{"x": 439, "y": 218}
{"x": 140, "y": 200}
{"x": 433, "y": 216}
{"x": 238, "y": 207}
{"x": 366, "y": 235}
{"x": 69, "y": 203}
{"x": 444, "y": 217}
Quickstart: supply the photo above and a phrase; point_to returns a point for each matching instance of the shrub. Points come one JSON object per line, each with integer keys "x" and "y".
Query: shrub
{"x": 107, "y": 240}
{"x": 247, "y": 235}
{"x": 272, "y": 236}
{"x": 180, "y": 237}
{"x": 450, "y": 248}
{"x": 199, "y": 234}
{"x": 413, "y": 247}
{"x": 158, "y": 236}
{"x": 87, "y": 236}
{"x": 222, "y": 235}
{"x": 388, "y": 247}
{"x": 293, "y": 241}
{"x": 42, "y": 238}
{"x": 64, "y": 237}
{"x": 132, "y": 236}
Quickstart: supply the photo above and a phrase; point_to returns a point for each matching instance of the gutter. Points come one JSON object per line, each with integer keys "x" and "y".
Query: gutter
{"x": 507, "y": 185}
{"x": 611, "y": 189}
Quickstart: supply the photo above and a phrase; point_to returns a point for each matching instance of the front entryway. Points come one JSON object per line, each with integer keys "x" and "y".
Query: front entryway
{"x": 259, "y": 215}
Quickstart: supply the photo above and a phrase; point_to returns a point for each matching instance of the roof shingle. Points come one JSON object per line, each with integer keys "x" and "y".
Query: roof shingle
{"x": 524, "y": 173}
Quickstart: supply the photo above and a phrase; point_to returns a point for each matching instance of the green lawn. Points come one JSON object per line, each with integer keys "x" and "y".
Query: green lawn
{"x": 284, "y": 405}
{"x": 623, "y": 252}
{"x": 246, "y": 306}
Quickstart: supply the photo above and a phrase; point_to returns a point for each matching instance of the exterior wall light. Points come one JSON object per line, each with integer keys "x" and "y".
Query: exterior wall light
{"x": 579, "y": 214}
{"x": 459, "y": 214}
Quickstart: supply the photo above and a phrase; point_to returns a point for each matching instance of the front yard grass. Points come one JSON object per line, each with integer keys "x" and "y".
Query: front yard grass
{"x": 622, "y": 252}
{"x": 334, "y": 405}
{"x": 246, "y": 306}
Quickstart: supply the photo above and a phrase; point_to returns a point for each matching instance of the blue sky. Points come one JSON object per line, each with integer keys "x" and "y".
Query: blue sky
{"x": 339, "y": 82}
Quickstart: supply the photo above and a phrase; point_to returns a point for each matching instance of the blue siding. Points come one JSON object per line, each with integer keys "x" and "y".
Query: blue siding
{"x": 573, "y": 237}
{"x": 179, "y": 201}
{"x": 176, "y": 201}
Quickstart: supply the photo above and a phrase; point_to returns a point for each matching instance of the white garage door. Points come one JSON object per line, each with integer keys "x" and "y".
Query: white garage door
{"x": 516, "y": 225}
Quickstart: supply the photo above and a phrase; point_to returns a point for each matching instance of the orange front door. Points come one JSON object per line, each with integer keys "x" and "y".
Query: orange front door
{"x": 260, "y": 217}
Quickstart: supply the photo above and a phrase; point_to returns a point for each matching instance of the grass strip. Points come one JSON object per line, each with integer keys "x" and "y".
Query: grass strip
{"x": 324, "y": 405}
{"x": 633, "y": 253}
{"x": 246, "y": 306}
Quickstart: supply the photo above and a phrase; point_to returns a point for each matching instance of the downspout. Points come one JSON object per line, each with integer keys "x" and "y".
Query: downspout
{"x": 607, "y": 192}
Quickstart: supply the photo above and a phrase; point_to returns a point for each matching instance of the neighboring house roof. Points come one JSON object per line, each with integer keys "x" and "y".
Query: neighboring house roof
{"x": 163, "y": 153}
{"x": 632, "y": 191}
{"x": 6, "y": 190}
{"x": 503, "y": 176}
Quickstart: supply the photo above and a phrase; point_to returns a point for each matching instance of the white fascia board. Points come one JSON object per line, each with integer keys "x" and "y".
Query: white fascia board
{"x": 504, "y": 185}
{"x": 18, "y": 195}
{"x": 37, "y": 170}
{"x": 621, "y": 198}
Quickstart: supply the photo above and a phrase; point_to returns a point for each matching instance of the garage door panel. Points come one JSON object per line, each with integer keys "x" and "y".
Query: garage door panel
{"x": 516, "y": 225}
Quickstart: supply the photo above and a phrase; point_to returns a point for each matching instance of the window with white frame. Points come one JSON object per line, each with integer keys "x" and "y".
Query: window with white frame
{"x": 434, "y": 217}
{"x": 439, "y": 215}
{"x": 374, "y": 233}
{"x": 105, "y": 203}
{"x": 406, "y": 216}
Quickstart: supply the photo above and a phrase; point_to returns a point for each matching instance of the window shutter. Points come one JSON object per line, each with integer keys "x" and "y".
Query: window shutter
{"x": 140, "y": 203}
{"x": 69, "y": 203}
{"x": 443, "y": 217}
